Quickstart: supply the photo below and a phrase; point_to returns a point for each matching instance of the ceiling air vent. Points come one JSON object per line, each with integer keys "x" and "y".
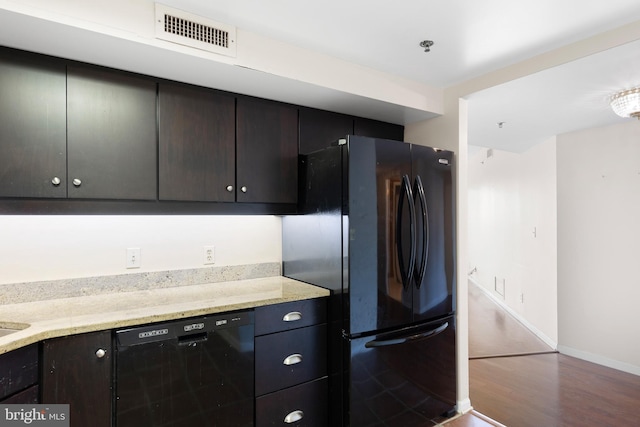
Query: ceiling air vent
{"x": 195, "y": 31}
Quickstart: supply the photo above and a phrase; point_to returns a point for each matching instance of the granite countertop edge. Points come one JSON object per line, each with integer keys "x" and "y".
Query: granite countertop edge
{"x": 40, "y": 320}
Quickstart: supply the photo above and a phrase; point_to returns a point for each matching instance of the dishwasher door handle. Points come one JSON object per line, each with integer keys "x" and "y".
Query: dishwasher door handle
{"x": 192, "y": 340}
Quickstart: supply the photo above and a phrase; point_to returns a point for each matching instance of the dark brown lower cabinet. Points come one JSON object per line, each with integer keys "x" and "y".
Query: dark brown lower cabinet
{"x": 28, "y": 396}
{"x": 291, "y": 357}
{"x": 291, "y": 382}
{"x": 76, "y": 370}
{"x": 19, "y": 375}
{"x": 302, "y": 405}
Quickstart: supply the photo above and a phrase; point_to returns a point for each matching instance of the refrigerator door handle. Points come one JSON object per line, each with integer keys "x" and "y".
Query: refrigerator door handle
{"x": 406, "y": 275}
{"x": 402, "y": 339}
{"x": 421, "y": 269}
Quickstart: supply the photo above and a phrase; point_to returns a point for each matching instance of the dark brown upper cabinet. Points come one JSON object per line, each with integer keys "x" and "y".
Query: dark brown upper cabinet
{"x": 320, "y": 129}
{"x": 267, "y": 151}
{"x": 377, "y": 129}
{"x": 33, "y": 157}
{"x": 99, "y": 140}
{"x": 111, "y": 135}
{"x": 197, "y": 144}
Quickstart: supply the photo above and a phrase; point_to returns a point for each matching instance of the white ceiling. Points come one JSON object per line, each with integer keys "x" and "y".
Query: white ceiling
{"x": 562, "y": 99}
{"x": 471, "y": 38}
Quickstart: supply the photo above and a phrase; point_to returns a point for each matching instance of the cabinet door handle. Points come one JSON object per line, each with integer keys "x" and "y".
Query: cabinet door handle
{"x": 229, "y": 188}
{"x": 77, "y": 182}
{"x": 243, "y": 189}
{"x": 100, "y": 353}
{"x": 294, "y": 359}
{"x": 294, "y": 416}
{"x": 292, "y": 316}
{"x": 55, "y": 181}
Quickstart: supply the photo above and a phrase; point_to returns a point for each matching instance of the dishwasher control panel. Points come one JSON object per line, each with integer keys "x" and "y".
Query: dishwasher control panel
{"x": 177, "y": 329}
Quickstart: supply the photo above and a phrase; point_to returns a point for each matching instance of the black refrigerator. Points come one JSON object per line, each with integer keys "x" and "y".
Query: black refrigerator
{"x": 376, "y": 227}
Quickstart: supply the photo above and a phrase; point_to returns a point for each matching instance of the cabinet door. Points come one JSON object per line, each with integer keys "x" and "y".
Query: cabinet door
{"x": 111, "y": 128}
{"x": 267, "y": 152}
{"x": 320, "y": 129}
{"x": 377, "y": 129}
{"x": 32, "y": 126}
{"x": 197, "y": 144}
{"x": 18, "y": 372}
{"x": 75, "y": 372}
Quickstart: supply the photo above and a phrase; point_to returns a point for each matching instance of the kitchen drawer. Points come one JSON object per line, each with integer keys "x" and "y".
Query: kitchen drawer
{"x": 306, "y": 403}
{"x": 289, "y": 358}
{"x": 290, "y": 315}
{"x": 18, "y": 370}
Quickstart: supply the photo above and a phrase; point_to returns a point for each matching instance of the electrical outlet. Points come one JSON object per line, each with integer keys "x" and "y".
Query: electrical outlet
{"x": 133, "y": 258}
{"x": 209, "y": 255}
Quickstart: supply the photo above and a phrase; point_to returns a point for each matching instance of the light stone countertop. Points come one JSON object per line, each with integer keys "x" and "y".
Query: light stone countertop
{"x": 39, "y": 320}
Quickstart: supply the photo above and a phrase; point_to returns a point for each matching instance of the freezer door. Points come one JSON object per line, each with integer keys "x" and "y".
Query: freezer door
{"x": 403, "y": 378}
{"x": 381, "y": 236}
{"x": 434, "y": 275}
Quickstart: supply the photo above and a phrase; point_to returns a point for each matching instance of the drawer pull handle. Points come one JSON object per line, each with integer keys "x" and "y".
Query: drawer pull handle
{"x": 292, "y": 317}
{"x": 294, "y": 359}
{"x": 294, "y": 416}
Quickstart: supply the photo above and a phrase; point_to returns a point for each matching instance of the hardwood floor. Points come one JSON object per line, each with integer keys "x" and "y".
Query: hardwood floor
{"x": 494, "y": 332}
{"x": 550, "y": 390}
{"x": 553, "y": 390}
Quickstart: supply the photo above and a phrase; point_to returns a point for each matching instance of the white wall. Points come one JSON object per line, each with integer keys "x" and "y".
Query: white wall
{"x": 512, "y": 232}
{"x": 450, "y": 132}
{"x": 599, "y": 245}
{"x": 34, "y": 248}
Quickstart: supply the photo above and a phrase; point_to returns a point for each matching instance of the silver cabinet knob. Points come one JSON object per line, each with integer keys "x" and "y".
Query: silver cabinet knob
{"x": 243, "y": 189}
{"x": 55, "y": 181}
{"x": 229, "y": 188}
{"x": 76, "y": 182}
{"x": 100, "y": 353}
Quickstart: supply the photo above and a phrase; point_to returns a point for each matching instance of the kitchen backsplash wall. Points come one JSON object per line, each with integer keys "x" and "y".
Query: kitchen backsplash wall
{"x": 48, "y": 248}
{"x": 14, "y": 293}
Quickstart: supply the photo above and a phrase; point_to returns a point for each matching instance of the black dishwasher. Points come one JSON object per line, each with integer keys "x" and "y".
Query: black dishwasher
{"x": 186, "y": 373}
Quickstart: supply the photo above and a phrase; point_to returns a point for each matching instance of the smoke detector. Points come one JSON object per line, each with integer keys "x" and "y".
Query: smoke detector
{"x": 195, "y": 31}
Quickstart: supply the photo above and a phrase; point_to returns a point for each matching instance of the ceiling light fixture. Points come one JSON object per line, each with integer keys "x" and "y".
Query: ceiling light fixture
{"x": 426, "y": 44}
{"x": 627, "y": 103}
